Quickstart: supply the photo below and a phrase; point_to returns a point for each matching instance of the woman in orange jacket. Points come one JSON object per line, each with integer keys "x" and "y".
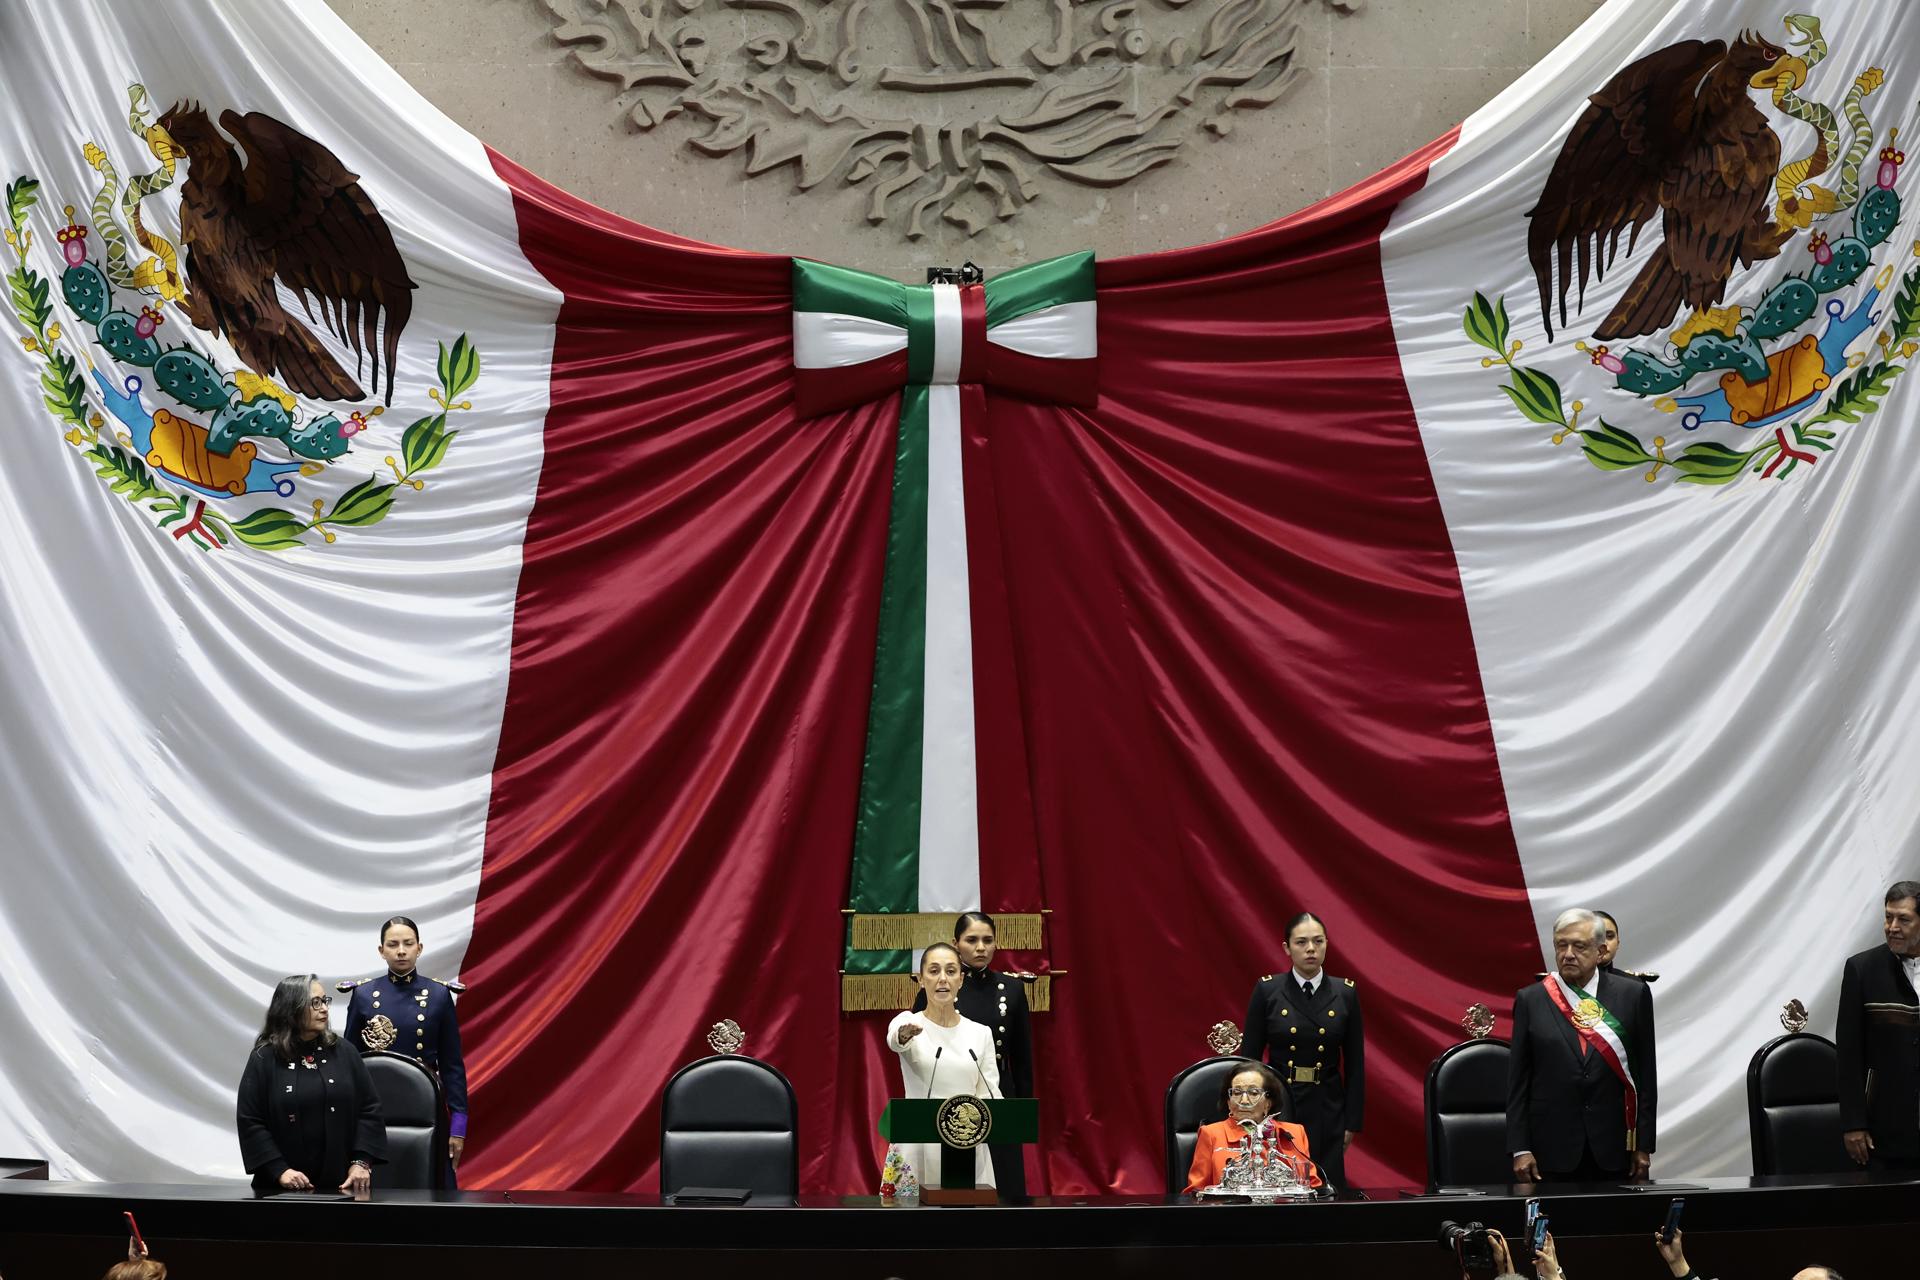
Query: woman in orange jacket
{"x": 1248, "y": 1098}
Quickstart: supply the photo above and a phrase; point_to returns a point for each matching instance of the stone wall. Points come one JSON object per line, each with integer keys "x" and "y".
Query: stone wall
{"x": 889, "y": 134}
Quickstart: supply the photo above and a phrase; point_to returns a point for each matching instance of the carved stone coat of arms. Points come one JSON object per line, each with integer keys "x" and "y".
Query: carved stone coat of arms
{"x": 956, "y": 110}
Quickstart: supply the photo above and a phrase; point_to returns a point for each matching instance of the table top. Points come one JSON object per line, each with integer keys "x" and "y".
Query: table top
{"x": 230, "y": 1210}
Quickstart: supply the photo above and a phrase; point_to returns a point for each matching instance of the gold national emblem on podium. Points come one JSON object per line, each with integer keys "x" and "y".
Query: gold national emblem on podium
{"x": 963, "y": 1121}
{"x": 379, "y": 1033}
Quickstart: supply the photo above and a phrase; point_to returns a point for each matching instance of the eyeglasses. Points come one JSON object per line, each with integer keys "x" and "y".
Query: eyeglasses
{"x": 1246, "y": 1093}
{"x": 319, "y": 1002}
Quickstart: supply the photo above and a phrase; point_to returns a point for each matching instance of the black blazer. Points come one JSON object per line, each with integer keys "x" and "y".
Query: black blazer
{"x": 1324, "y": 1033}
{"x": 1558, "y": 1100}
{"x": 316, "y": 1119}
{"x": 1877, "y": 1033}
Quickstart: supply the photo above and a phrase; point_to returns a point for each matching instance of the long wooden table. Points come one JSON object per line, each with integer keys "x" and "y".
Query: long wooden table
{"x": 1758, "y": 1227}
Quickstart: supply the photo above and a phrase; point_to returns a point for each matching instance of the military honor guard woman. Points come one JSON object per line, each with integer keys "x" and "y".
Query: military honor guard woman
{"x": 998, "y": 1001}
{"x": 1877, "y": 1035}
{"x": 307, "y": 1114}
{"x": 1307, "y": 1024}
{"x": 404, "y": 1011}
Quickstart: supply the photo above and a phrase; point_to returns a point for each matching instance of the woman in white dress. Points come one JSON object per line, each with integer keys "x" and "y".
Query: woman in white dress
{"x": 941, "y": 1054}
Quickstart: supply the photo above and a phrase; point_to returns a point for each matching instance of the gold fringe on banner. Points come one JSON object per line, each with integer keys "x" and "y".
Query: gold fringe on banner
{"x": 909, "y": 931}
{"x": 892, "y": 992}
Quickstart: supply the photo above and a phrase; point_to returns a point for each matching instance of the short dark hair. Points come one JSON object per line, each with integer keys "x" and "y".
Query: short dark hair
{"x": 394, "y": 920}
{"x": 1608, "y": 917}
{"x": 284, "y": 1012}
{"x": 1299, "y": 920}
{"x": 973, "y": 917}
{"x": 1903, "y": 889}
{"x": 1269, "y": 1080}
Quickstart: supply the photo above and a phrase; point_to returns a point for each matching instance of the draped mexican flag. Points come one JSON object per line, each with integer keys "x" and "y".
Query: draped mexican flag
{"x": 1316, "y": 575}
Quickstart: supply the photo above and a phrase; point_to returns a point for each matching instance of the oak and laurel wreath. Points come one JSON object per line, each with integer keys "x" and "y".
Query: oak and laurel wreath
{"x": 1539, "y": 399}
{"x": 423, "y": 445}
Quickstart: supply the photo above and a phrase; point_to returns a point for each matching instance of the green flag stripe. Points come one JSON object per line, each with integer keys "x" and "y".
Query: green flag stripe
{"x": 919, "y": 345}
{"x": 818, "y": 286}
{"x": 886, "y": 838}
{"x": 1027, "y": 289}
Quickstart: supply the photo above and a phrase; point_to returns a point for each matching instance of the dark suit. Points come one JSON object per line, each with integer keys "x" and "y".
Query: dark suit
{"x": 1319, "y": 1049}
{"x": 1877, "y": 1034}
{"x": 316, "y": 1114}
{"x": 1563, "y": 1105}
{"x": 998, "y": 1001}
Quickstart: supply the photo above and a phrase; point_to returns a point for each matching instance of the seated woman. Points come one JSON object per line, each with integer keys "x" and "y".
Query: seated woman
{"x": 941, "y": 1054}
{"x": 307, "y": 1112}
{"x": 1248, "y": 1097}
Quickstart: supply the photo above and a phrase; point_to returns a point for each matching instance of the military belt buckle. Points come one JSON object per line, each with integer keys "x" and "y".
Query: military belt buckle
{"x": 1306, "y": 1075}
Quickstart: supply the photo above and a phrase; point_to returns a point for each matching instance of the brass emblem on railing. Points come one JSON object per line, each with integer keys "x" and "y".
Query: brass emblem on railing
{"x": 379, "y": 1033}
{"x": 1225, "y": 1039}
{"x": 726, "y": 1036}
{"x": 1478, "y": 1021}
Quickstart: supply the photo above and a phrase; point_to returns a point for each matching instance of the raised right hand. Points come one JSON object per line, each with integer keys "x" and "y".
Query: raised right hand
{"x": 908, "y": 1030}
{"x": 1859, "y": 1144}
{"x": 294, "y": 1180}
{"x": 1526, "y": 1168}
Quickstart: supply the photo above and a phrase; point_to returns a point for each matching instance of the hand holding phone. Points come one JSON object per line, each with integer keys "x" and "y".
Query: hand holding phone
{"x": 136, "y": 1247}
{"x": 1673, "y": 1220}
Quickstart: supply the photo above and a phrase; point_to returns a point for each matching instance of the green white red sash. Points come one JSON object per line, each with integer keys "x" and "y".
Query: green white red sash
{"x": 860, "y": 337}
{"x": 1599, "y": 1031}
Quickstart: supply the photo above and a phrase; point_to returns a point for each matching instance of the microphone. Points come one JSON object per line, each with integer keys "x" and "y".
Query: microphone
{"x": 1326, "y": 1183}
{"x": 981, "y": 1072}
{"x": 934, "y": 1071}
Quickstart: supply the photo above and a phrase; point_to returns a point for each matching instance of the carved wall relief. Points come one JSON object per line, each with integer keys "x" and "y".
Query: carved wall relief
{"x": 957, "y": 110}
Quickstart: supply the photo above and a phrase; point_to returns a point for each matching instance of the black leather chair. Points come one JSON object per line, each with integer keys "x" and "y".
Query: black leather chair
{"x": 1467, "y": 1115}
{"x": 1793, "y": 1107}
{"x": 730, "y": 1121}
{"x": 1193, "y": 1099}
{"x": 416, "y": 1117}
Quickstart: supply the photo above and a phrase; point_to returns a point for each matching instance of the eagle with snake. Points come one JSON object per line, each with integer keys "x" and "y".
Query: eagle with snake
{"x": 1673, "y": 134}
{"x": 293, "y": 213}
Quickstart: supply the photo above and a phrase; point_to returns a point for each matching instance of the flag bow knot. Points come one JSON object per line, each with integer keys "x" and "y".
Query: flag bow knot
{"x": 858, "y": 337}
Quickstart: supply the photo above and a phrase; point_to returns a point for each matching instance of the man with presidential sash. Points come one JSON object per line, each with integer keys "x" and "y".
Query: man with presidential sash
{"x": 1582, "y": 1086}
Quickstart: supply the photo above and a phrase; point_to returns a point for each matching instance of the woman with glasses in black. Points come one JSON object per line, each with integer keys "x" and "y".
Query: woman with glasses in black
{"x": 308, "y": 1116}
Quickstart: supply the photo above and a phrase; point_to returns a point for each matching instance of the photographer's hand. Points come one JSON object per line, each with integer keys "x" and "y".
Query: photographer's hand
{"x": 1502, "y": 1256}
{"x": 1546, "y": 1263}
{"x": 1670, "y": 1250}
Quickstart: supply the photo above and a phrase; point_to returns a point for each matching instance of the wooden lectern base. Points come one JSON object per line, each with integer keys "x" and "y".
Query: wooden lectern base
{"x": 968, "y": 1195}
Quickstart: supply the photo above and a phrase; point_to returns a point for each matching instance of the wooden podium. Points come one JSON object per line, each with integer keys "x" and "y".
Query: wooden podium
{"x": 1014, "y": 1120}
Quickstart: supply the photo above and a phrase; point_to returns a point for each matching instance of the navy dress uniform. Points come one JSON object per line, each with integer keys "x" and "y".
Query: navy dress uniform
{"x": 1877, "y": 1037}
{"x": 998, "y": 1001}
{"x": 1314, "y": 1039}
{"x": 415, "y": 1016}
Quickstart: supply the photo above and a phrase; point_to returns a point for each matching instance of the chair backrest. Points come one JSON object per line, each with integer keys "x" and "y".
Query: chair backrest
{"x": 730, "y": 1121}
{"x": 1193, "y": 1099}
{"x": 1793, "y": 1106}
{"x": 410, "y": 1102}
{"x": 1467, "y": 1115}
